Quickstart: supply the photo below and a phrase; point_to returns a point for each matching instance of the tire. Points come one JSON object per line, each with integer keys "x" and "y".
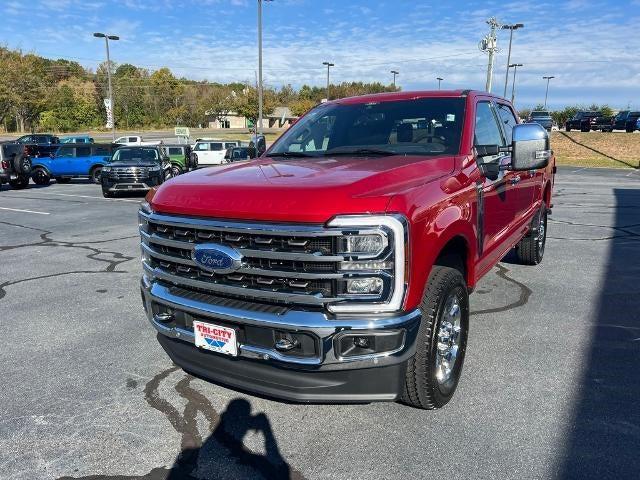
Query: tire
{"x": 41, "y": 177}
{"x": 63, "y": 179}
{"x": 531, "y": 248}
{"x": 96, "y": 174}
{"x": 168, "y": 174}
{"x": 567, "y": 128}
{"x": 19, "y": 183}
{"x": 445, "y": 310}
{"x": 107, "y": 194}
{"x": 22, "y": 164}
{"x": 175, "y": 170}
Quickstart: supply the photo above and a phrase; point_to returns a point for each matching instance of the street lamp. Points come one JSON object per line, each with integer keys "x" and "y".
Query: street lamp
{"x": 395, "y": 72}
{"x": 513, "y": 86}
{"x": 259, "y": 126}
{"x": 513, "y": 27}
{"x": 113, "y": 116}
{"x": 439, "y": 81}
{"x": 547, "y": 92}
{"x": 329, "y": 65}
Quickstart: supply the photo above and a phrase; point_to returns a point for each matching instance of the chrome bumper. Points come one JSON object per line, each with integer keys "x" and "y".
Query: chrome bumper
{"x": 316, "y": 323}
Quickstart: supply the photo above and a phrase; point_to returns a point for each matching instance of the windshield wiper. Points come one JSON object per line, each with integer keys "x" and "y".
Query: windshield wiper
{"x": 358, "y": 151}
{"x": 290, "y": 154}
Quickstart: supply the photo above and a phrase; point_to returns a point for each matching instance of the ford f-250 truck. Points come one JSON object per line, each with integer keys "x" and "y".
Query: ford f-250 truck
{"x": 337, "y": 267}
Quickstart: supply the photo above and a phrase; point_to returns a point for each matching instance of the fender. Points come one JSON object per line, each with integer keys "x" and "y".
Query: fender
{"x": 430, "y": 238}
{"x": 37, "y": 164}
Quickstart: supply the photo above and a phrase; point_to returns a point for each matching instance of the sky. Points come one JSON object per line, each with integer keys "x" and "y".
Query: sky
{"x": 592, "y": 47}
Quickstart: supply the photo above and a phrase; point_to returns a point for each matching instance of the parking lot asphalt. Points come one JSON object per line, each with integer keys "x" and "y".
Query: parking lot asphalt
{"x": 550, "y": 389}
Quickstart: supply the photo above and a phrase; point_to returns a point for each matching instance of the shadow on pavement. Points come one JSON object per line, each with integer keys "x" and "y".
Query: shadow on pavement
{"x": 604, "y": 440}
{"x": 623, "y": 162}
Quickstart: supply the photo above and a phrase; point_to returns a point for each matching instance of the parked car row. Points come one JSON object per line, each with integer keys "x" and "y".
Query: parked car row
{"x": 117, "y": 167}
{"x": 586, "y": 121}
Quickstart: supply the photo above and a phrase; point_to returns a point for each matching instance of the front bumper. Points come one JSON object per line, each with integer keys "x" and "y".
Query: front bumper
{"x": 325, "y": 377}
{"x": 111, "y": 184}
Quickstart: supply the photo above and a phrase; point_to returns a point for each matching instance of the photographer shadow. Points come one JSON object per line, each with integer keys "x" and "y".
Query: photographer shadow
{"x": 226, "y": 445}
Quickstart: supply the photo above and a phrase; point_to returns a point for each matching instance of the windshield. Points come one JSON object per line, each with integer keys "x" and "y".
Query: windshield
{"x": 136, "y": 155}
{"x": 540, "y": 114}
{"x": 427, "y": 126}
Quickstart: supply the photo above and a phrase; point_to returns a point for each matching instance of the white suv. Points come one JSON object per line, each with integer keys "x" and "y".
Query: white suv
{"x": 211, "y": 152}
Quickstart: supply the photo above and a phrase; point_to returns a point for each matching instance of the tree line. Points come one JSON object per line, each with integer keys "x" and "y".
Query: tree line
{"x": 40, "y": 94}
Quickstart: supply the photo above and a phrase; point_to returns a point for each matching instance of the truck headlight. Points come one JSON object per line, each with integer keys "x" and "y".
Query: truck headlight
{"x": 154, "y": 169}
{"x": 106, "y": 169}
{"x": 374, "y": 251}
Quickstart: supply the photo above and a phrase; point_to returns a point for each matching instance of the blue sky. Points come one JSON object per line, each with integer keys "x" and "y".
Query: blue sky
{"x": 592, "y": 47}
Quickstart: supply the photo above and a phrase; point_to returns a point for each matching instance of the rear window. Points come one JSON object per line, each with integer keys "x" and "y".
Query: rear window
{"x": 175, "y": 151}
{"x": 83, "y": 151}
{"x": 216, "y": 147}
{"x": 540, "y": 114}
{"x": 230, "y": 145}
{"x": 9, "y": 151}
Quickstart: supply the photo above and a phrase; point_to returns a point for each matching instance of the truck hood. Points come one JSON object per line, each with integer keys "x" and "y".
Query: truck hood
{"x": 309, "y": 190}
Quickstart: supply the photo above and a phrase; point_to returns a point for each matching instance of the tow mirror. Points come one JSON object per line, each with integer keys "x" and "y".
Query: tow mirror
{"x": 530, "y": 148}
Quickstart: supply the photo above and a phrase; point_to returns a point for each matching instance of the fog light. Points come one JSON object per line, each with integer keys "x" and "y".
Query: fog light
{"x": 361, "y": 342}
{"x": 364, "y": 286}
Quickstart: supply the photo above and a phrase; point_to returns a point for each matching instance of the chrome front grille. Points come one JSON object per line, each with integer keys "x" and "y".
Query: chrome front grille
{"x": 281, "y": 264}
{"x": 129, "y": 173}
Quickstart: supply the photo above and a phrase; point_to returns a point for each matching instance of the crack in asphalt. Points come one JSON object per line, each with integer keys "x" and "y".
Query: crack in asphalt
{"x": 192, "y": 443}
{"x": 622, "y": 229}
{"x": 523, "y": 298}
{"x": 46, "y": 241}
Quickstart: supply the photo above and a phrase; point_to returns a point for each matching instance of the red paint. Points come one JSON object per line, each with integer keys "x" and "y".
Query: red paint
{"x": 437, "y": 194}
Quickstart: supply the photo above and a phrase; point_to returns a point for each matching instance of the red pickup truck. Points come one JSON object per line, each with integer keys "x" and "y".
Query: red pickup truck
{"x": 337, "y": 267}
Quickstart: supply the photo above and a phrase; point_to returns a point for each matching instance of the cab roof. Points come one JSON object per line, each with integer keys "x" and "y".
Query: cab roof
{"x": 411, "y": 95}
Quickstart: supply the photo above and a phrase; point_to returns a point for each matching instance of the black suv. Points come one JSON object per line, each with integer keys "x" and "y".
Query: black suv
{"x": 135, "y": 169}
{"x": 15, "y": 165}
{"x": 582, "y": 121}
{"x": 625, "y": 120}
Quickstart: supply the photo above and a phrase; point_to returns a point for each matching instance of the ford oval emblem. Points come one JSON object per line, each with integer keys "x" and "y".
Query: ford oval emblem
{"x": 217, "y": 258}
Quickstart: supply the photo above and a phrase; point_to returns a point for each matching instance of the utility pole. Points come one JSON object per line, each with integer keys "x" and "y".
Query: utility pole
{"x": 513, "y": 85}
{"x": 546, "y": 94}
{"x": 395, "y": 72}
{"x": 259, "y": 126}
{"x": 513, "y": 27}
{"x": 439, "y": 81}
{"x": 113, "y": 114}
{"x": 489, "y": 44}
{"x": 329, "y": 65}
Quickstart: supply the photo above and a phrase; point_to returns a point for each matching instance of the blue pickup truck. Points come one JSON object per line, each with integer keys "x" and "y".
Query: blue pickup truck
{"x": 72, "y": 161}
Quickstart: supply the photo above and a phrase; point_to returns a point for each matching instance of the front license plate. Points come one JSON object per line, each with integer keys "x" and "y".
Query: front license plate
{"x": 215, "y": 338}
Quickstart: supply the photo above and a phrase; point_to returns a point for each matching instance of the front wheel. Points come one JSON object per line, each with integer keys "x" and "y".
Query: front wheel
{"x": 41, "y": 177}
{"x": 531, "y": 248}
{"x": 175, "y": 170}
{"x": 434, "y": 371}
{"x": 96, "y": 175}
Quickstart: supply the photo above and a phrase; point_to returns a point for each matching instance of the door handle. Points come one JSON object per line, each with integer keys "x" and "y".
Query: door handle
{"x": 515, "y": 180}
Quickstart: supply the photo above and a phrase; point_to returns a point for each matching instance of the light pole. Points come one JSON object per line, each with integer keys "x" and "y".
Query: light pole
{"x": 395, "y": 72}
{"x": 329, "y": 65}
{"x": 546, "y": 94}
{"x": 513, "y": 86}
{"x": 259, "y": 126}
{"x": 113, "y": 113}
{"x": 439, "y": 81}
{"x": 513, "y": 27}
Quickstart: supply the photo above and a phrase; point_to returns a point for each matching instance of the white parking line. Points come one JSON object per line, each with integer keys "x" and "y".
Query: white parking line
{"x": 579, "y": 170}
{"x": 94, "y": 197}
{"x": 24, "y": 211}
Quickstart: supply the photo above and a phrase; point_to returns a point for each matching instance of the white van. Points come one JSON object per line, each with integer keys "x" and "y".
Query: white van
{"x": 211, "y": 152}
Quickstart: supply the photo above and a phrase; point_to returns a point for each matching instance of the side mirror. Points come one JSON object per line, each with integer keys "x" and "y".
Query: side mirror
{"x": 530, "y": 148}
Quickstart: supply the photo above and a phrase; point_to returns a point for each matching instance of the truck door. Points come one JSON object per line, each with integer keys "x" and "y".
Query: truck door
{"x": 498, "y": 198}
{"x": 524, "y": 183}
{"x": 81, "y": 161}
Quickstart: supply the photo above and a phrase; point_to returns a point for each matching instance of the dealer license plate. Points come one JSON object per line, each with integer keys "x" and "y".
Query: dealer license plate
{"x": 215, "y": 338}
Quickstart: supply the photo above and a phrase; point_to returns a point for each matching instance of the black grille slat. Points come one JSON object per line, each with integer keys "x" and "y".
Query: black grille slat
{"x": 323, "y": 246}
{"x": 256, "y": 282}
